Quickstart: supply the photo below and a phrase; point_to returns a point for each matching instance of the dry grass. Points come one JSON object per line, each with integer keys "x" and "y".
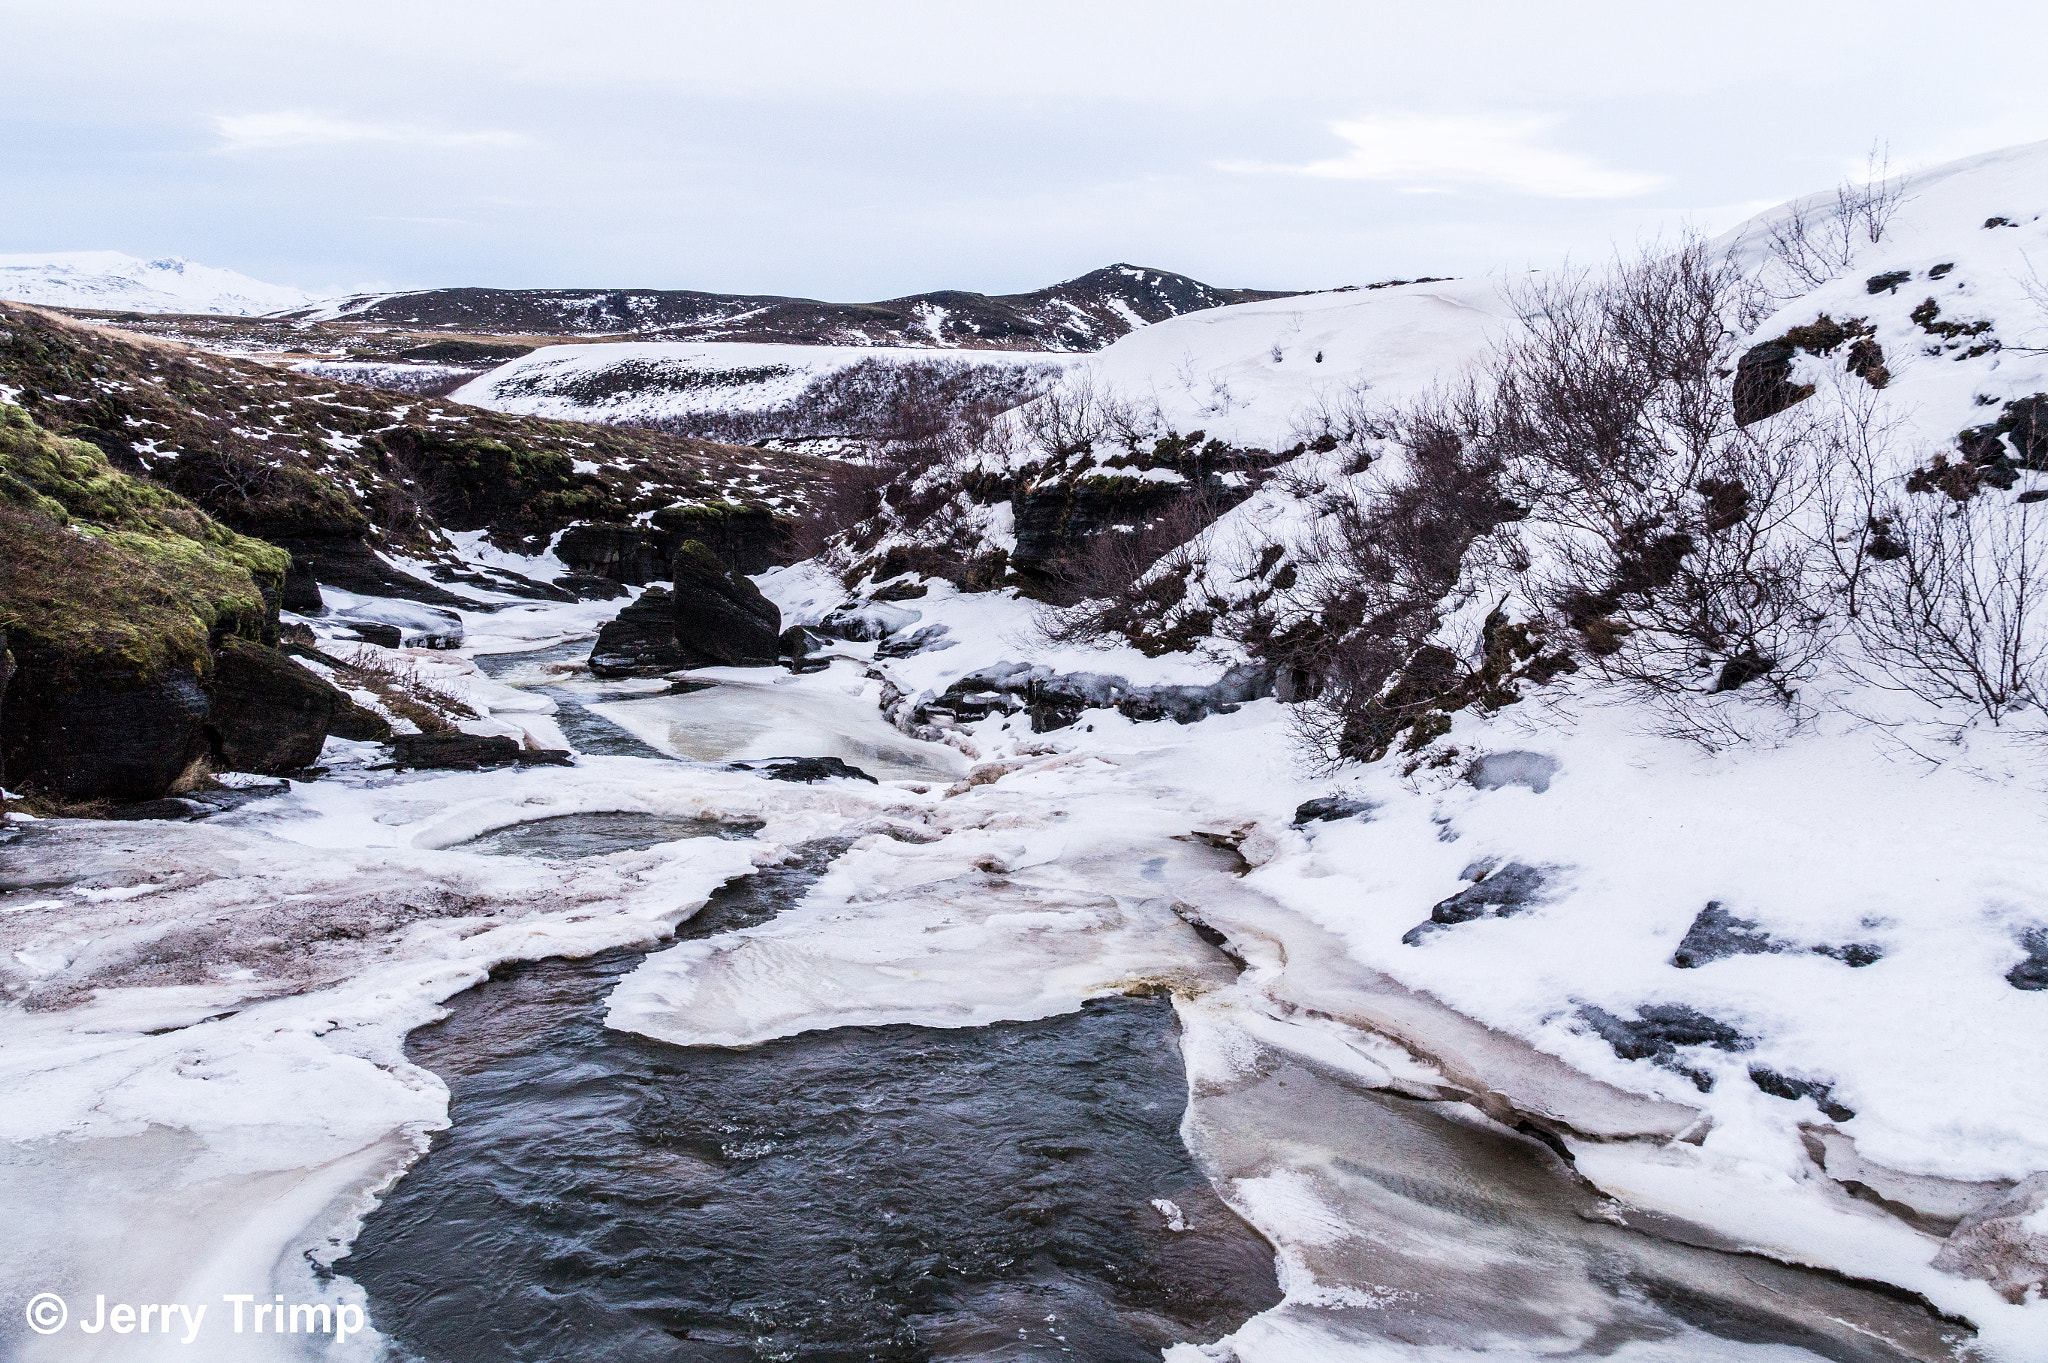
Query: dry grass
{"x": 402, "y": 690}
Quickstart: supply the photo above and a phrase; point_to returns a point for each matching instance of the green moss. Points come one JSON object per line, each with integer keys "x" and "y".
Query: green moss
{"x": 97, "y": 564}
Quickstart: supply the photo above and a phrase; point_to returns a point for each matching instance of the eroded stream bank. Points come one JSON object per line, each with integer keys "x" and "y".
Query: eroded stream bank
{"x": 860, "y": 1193}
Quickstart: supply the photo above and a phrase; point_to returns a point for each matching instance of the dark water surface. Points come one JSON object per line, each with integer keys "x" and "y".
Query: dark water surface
{"x": 864, "y": 1193}
{"x": 595, "y": 835}
{"x": 587, "y": 731}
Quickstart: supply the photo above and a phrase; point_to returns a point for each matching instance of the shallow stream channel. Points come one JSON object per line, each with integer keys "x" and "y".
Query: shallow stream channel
{"x": 860, "y": 1193}
{"x": 1017, "y": 1191}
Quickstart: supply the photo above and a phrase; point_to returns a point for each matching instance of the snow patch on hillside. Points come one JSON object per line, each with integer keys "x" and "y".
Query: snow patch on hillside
{"x": 116, "y": 282}
{"x": 637, "y": 381}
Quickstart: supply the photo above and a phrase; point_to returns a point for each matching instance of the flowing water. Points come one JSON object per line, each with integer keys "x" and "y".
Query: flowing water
{"x": 862, "y": 1193}
{"x": 1007, "y": 1192}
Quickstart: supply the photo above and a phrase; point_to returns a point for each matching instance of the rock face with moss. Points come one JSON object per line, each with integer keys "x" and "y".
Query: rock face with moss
{"x": 117, "y": 597}
{"x": 752, "y": 539}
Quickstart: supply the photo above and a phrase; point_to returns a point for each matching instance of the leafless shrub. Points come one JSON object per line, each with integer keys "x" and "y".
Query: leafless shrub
{"x": 1120, "y": 582}
{"x": 1376, "y": 579}
{"x": 1947, "y": 610}
{"x": 1815, "y": 244}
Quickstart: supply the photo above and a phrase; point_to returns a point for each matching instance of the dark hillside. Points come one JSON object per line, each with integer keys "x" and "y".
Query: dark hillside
{"x": 1084, "y": 313}
{"x": 339, "y": 474}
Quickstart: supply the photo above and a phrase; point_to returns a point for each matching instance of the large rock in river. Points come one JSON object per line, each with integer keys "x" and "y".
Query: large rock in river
{"x": 268, "y": 714}
{"x": 721, "y": 618}
{"x": 640, "y": 641}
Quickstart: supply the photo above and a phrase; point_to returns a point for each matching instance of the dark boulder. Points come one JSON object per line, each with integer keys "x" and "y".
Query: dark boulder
{"x": 803, "y": 649}
{"x": 1717, "y": 934}
{"x": 930, "y": 639}
{"x": 640, "y": 641}
{"x": 470, "y": 752}
{"x": 1512, "y": 889}
{"x": 721, "y": 618}
{"x": 1659, "y": 1030}
{"x": 590, "y": 587}
{"x": 267, "y": 714}
{"x": 1763, "y": 382}
{"x": 1792, "y": 1090}
{"x": 1329, "y": 808}
{"x": 804, "y": 769}
{"x": 2031, "y": 973}
{"x": 91, "y": 729}
{"x": 374, "y": 632}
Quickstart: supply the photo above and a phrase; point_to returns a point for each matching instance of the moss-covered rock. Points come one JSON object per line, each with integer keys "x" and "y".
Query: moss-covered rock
{"x": 115, "y": 596}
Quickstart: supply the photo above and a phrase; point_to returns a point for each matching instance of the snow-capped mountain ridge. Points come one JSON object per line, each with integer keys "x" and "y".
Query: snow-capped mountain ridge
{"x": 115, "y": 282}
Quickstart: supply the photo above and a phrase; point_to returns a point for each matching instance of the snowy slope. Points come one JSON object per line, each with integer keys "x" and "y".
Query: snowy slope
{"x": 647, "y": 379}
{"x": 115, "y": 282}
{"x": 1248, "y": 373}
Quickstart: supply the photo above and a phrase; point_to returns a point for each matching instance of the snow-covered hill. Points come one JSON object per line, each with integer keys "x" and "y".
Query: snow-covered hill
{"x": 113, "y": 282}
{"x": 643, "y": 381}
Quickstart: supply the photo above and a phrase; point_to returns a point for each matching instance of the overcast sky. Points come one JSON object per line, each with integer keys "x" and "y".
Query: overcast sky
{"x": 860, "y": 149}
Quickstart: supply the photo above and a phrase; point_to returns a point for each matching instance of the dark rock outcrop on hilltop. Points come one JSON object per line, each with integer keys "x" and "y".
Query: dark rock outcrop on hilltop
{"x": 1084, "y": 313}
{"x": 750, "y": 538}
{"x": 640, "y": 641}
{"x": 721, "y": 619}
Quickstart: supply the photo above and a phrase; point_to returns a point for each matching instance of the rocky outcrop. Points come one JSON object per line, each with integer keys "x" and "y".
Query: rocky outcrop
{"x": 116, "y": 595}
{"x": 640, "y": 641}
{"x": 721, "y": 619}
{"x": 266, "y": 714}
{"x": 93, "y": 729}
{"x": 807, "y": 770}
{"x": 6, "y": 675}
{"x": 471, "y": 752}
{"x": 1512, "y": 889}
{"x": 1055, "y": 700}
{"x": 750, "y": 538}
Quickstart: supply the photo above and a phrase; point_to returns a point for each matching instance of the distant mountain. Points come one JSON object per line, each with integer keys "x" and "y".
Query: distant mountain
{"x": 113, "y": 282}
{"x": 1086, "y": 313}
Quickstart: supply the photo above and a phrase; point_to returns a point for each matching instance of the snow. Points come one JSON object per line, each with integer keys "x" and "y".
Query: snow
{"x": 657, "y": 378}
{"x": 115, "y": 282}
